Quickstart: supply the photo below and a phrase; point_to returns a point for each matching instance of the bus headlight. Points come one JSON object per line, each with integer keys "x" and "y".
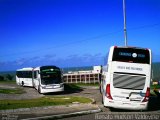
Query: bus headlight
{"x": 61, "y": 85}
{"x": 43, "y": 87}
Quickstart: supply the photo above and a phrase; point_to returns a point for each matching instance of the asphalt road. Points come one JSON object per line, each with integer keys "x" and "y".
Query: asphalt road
{"x": 93, "y": 92}
{"x": 109, "y": 113}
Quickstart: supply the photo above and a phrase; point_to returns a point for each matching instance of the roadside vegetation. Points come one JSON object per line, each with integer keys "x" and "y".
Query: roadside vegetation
{"x": 156, "y": 71}
{"x": 40, "y": 102}
{"x": 87, "y": 84}
{"x": 12, "y": 91}
{"x": 7, "y": 82}
{"x": 7, "y": 76}
{"x": 72, "y": 87}
{"x": 77, "y": 87}
{"x": 81, "y": 85}
{"x": 154, "y": 87}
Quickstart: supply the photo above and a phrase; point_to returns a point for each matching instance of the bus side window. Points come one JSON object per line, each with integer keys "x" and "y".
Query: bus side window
{"x": 19, "y": 74}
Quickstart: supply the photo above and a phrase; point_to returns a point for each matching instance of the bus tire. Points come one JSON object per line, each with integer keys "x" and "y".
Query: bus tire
{"x": 100, "y": 89}
{"x": 22, "y": 84}
{"x": 102, "y": 99}
{"x": 39, "y": 90}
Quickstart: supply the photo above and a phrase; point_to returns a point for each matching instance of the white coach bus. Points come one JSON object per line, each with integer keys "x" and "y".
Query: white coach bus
{"x": 24, "y": 77}
{"x": 48, "y": 79}
{"x": 126, "y": 78}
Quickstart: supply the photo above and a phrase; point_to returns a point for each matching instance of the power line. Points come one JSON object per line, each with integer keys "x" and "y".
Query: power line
{"x": 62, "y": 45}
{"x": 79, "y": 41}
{"x": 144, "y": 26}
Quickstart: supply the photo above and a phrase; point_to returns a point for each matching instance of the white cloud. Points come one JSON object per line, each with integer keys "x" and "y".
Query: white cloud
{"x": 70, "y": 61}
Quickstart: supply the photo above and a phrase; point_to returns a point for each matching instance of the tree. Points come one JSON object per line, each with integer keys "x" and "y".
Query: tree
{"x": 9, "y": 77}
{"x": 1, "y": 78}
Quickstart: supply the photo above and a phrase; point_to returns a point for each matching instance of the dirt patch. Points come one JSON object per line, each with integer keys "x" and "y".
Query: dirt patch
{"x": 30, "y": 93}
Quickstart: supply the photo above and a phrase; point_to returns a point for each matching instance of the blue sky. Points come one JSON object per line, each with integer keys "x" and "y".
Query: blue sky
{"x": 71, "y": 33}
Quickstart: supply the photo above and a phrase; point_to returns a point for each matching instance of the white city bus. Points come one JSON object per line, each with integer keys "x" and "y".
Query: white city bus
{"x": 126, "y": 78}
{"x": 24, "y": 77}
{"x": 48, "y": 79}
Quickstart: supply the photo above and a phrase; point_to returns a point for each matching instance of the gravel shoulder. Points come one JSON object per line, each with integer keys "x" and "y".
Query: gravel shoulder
{"x": 30, "y": 93}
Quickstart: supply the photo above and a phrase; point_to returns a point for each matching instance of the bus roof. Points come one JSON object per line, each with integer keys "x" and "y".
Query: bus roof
{"x": 46, "y": 67}
{"x": 24, "y": 69}
{"x": 130, "y": 47}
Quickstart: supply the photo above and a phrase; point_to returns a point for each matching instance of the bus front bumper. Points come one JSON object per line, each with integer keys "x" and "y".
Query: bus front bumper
{"x": 50, "y": 90}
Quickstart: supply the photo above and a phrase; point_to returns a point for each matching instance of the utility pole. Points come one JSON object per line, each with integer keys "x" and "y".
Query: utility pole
{"x": 124, "y": 15}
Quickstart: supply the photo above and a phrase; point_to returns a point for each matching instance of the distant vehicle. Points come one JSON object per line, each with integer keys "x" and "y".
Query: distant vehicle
{"x": 126, "y": 78}
{"x": 48, "y": 79}
{"x": 24, "y": 77}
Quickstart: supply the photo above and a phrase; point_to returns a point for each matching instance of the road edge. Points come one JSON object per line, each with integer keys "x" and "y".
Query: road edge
{"x": 66, "y": 115}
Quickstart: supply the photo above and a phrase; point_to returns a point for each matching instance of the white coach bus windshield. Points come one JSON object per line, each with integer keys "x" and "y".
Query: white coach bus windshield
{"x": 126, "y": 78}
{"x": 50, "y": 76}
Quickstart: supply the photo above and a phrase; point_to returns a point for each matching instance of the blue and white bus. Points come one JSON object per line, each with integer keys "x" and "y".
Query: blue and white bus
{"x": 126, "y": 78}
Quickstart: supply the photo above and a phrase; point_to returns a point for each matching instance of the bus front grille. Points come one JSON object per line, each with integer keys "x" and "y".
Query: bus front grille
{"x": 127, "y": 81}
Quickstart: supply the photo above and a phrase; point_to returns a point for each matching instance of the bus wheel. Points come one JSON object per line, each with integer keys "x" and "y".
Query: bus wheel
{"x": 22, "y": 84}
{"x": 39, "y": 89}
{"x": 102, "y": 100}
{"x": 100, "y": 89}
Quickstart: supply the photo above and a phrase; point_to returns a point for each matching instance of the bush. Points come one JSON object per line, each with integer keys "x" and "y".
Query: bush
{"x": 9, "y": 77}
{"x": 1, "y": 78}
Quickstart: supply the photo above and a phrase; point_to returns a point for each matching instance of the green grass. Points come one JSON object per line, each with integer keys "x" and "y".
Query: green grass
{"x": 8, "y": 82}
{"x": 152, "y": 89}
{"x": 155, "y": 86}
{"x": 74, "y": 87}
{"x": 44, "y": 101}
{"x": 85, "y": 84}
{"x": 152, "y": 93}
{"x": 12, "y": 91}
